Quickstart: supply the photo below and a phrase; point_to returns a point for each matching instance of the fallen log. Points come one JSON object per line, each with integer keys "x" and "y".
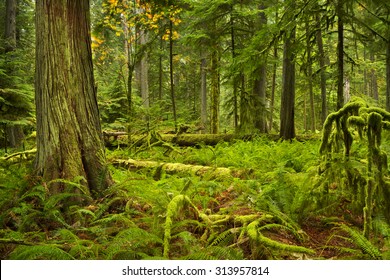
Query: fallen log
{"x": 23, "y": 154}
{"x": 183, "y": 169}
{"x": 120, "y": 139}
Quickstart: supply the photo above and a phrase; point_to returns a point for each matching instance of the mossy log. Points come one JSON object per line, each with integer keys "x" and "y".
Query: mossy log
{"x": 23, "y": 154}
{"x": 115, "y": 139}
{"x": 180, "y": 168}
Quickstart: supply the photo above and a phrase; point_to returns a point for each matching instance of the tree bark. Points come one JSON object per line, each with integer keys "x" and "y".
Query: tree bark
{"x": 260, "y": 85}
{"x": 10, "y": 26}
{"x": 310, "y": 81}
{"x": 203, "y": 94}
{"x": 173, "y": 98}
{"x": 340, "y": 55}
{"x": 235, "y": 77}
{"x": 321, "y": 57}
{"x": 14, "y": 133}
{"x": 69, "y": 138}
{"x": 144, "y": 71}
{"x": 374, "y": 82}
{"x": 287, "y": 122}
{"x": 388, "y": 72}
{"x": 215, "y": 91}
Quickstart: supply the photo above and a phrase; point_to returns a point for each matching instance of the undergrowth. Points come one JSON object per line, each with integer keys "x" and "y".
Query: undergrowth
{"x": 183, "y": 216}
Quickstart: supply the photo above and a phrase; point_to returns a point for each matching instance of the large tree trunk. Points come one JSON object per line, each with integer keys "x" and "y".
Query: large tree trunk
{"x": 260, "y": 84}
{"x": 69, "y": 138}
{"x": 259, "y": 91}
{"x": 287, "y": 126}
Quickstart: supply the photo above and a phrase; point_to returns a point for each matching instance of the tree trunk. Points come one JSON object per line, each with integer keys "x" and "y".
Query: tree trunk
{"x": 340, "y": 55}
{"x": 69, "y": 138}
{"x": 144, "y": 71}
{"x": 321, "y": 56}
{"x": 14, "y": 133}
{"x": 259, "y": 92}
{"x": 235, "y": 77}
{"x": 287, "y": 126}
{"x": 388, "y": 73}
{"x": 260, "y": 85}
{"x": 173, "y": 98}
{"x": 10, "y": 26}
{"x": 273, "y": 89}
{"x": 203, "y": 95}
{"x": 374, "y": 82}
{"x": 273, "y": 83}
{"x": 310, "y": 81}
{"x": 215, "y": 91}
{"x": 160, "y": 71}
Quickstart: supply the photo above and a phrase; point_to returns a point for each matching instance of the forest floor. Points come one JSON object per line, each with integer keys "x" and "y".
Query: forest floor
{"x": 282, "y": 207}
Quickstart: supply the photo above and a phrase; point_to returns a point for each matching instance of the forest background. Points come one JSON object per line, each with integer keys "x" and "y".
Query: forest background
{"x": 234, "y": 130}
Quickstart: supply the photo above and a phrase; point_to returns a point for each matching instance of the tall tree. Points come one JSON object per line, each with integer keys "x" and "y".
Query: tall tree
{"x": 260, "y": 83}
{"x": 340, "y": 53}
{"x": 321, "y": 58}
{"x": 14, "y": 132}
{"x": 69, "y": 138}
{"x": 287, "y": 111}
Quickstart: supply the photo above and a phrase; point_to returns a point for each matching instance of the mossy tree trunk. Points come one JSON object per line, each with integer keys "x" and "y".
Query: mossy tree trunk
{"x": 340, "y": 54}
{"x": 14, "y": 133}
{"x": 69, "y": 138}
{"x": 321, "y": 58}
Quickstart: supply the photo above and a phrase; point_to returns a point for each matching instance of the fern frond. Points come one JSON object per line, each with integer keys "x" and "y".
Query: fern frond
{"x": 216, "y": 253}
{"x": 225, "y": 238}
{"x": 363, "y": 243}
{"x": 40, "y": 252}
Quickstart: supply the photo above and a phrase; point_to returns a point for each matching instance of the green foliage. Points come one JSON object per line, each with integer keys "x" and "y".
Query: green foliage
{"x": 180, "y": 216}
{"x": 368, "y": 183}
{"x": 40, "y": 252}
{"x": 362, "y": 243}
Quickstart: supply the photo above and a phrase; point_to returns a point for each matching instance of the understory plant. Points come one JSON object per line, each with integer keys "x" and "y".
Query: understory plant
{"x": 362, "y": 178}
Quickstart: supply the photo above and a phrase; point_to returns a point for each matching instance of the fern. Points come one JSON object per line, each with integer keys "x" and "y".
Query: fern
{"x": 134, "y": 242}
{"x": 40, "y": 252}
{"x": 361, "y": 241}
{"x": 216, "y": 253}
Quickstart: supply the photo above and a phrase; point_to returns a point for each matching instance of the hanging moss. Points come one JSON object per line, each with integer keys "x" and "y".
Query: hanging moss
{"x": 337, "y": 133}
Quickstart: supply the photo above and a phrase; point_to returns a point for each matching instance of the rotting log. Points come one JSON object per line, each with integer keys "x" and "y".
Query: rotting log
{"x": 187, "y": 169}
{"x": 120, "y": 139}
